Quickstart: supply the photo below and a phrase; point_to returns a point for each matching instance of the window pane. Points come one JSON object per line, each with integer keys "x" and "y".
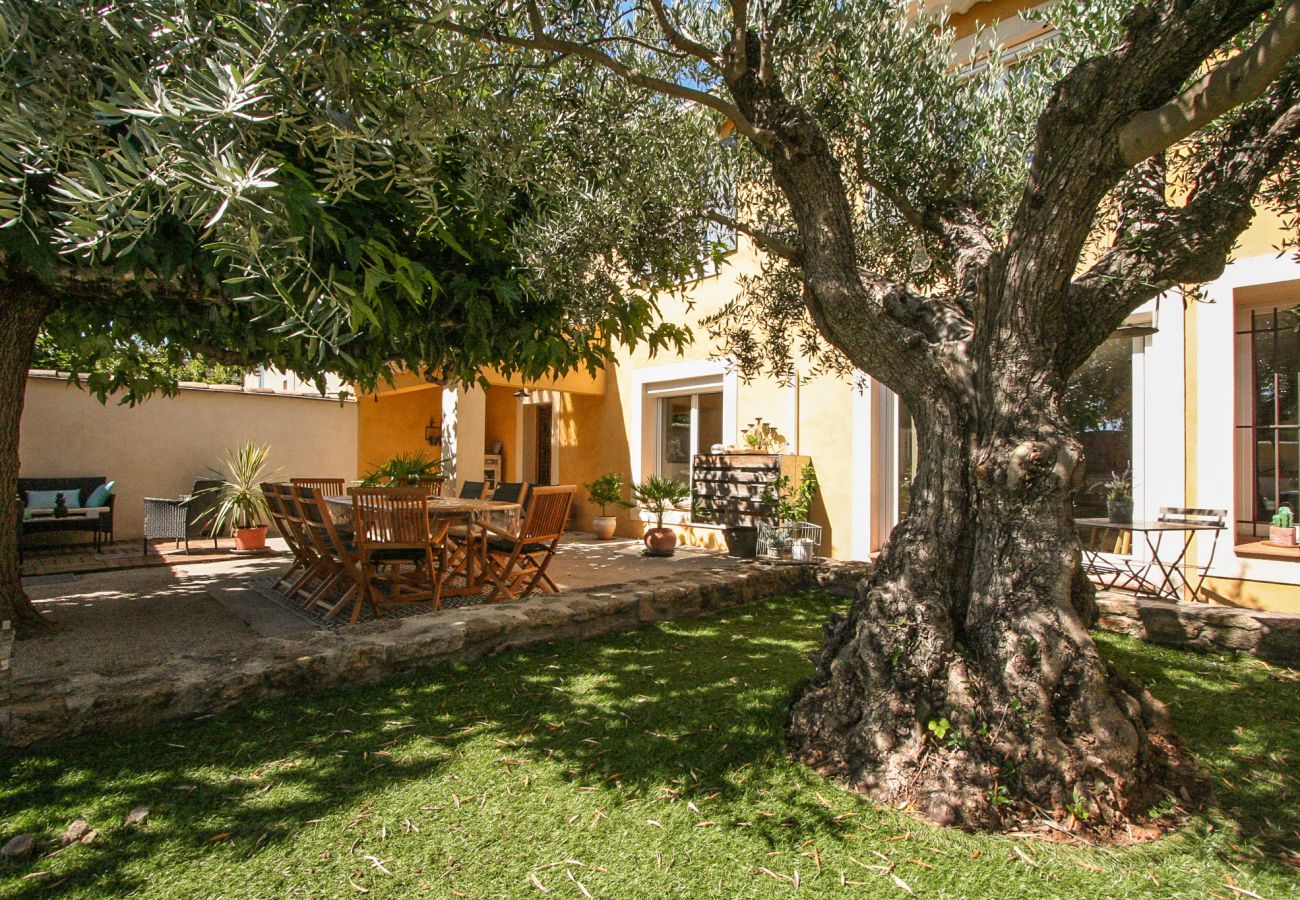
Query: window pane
{"x": 675, "y": 435}
{"x": 710, "y": 432}
{"x": 1099, "y": 404}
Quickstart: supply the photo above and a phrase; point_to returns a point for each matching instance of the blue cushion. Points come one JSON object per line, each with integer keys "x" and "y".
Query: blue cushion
{"x": 99, "y": 496}
{"x": 45, "y": 499}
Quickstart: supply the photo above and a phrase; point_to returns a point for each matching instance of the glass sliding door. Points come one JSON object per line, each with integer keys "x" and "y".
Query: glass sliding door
{"x": 1099, "y": 404}
{"x": 688, "y": 424}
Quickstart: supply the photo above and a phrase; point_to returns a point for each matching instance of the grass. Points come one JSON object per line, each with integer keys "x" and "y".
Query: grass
{"x": 646, "y": 764}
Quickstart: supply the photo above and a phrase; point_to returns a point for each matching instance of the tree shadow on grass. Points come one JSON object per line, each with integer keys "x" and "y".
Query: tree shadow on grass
{"x": 685, "y": 712}
{"x": 1240, "y": 718}
{"x": 683, "y": 715}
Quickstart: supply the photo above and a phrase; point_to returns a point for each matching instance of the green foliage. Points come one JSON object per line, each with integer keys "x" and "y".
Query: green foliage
{"x": 1119, "y": 487}
{"x": 164, "y": 364}
{"x": 407, "y": 468}
{"x": 660, "y": 494}
{"x": 293, "y": 185}
{"x": 938, "y": 727}
{"x": 240, "y": 501}
{"x": 792, "y": 504}
{"x": 607, "y": 489}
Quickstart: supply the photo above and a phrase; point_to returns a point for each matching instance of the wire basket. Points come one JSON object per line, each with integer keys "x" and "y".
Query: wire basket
{"x": 794, "y": 541}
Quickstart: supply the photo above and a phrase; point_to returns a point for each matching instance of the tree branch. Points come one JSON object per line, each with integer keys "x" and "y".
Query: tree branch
{"x": 1239, "y": 80}
{"x": 1162, "y": 246}
{"x": 540, "y": 40}
{"x": 769, "y": 242}
{"x": 678, "y": 38}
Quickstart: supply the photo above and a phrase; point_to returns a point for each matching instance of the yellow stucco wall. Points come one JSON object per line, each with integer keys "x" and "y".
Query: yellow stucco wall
{"x": 501, "y": 424}
{"x": 393, "y": 423}
{"x": 159, "y": 448}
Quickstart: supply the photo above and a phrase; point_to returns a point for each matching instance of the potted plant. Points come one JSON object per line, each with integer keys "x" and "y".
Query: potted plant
{"x": 790, "y": 508}
{"x": 1119, "y": 497}
{"x": 1281, "y": 530}
{"x": 659, "y": 494}
{"x": 606, "y": 490}
{"x": 241, "y": 506}
{"x": 408, "y": 470}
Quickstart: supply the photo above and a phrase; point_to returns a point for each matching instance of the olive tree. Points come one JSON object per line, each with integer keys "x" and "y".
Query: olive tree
{"x": 967, "y": 235}
{"x": 272, "y": 183}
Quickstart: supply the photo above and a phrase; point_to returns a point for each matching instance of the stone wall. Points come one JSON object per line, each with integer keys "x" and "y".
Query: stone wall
{"x": 319, "y": 661}
{"x": 1271, "y": 636}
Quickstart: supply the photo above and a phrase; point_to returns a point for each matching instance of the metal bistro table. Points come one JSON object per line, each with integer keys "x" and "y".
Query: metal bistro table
{"x": 1154, "y": 576}
{"x": 497, "y": 513}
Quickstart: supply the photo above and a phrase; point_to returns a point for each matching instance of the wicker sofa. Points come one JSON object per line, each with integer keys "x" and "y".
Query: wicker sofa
{"x": 101, "y": 526}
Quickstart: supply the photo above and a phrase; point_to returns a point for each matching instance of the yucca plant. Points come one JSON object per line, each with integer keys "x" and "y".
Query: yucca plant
{"x": 241, "y": 503}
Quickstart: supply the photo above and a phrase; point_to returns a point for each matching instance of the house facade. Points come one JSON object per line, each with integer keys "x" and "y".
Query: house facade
{"x": 1198, "y": 396}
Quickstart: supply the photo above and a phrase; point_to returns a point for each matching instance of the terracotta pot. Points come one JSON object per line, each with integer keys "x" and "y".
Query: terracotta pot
{"x": 660, "y": 541}
{"x": 604, "y": 527}
{"x": 250, "y": 538}
{"x": 1282, "y": 536}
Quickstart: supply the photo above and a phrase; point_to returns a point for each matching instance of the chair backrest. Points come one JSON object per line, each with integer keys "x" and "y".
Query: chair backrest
{"x": 391, "y": 517}
{"x": 316, "y": 523}
{"x": 204, "y": 498}
{"x": 473, "y": 490}
{"x": 511, "y": 491}
{"x": 431, "y": 485}
{"x": 548, "y": 511}
{"x": 1187, "y": 515}
{"x": 329, "y": 487}
{"x": 276, "y": 509}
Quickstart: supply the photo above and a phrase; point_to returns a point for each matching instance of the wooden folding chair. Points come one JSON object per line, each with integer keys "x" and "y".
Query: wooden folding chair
{"x": 402, "y": 555}
{"x": 318, "y": 576}
{"x": 301, "y": 568}
{"x": 517, "y": 563}
{"x": 337, "y": 559}
{"x": 328, "y": 487}
{"x": 431, "y": 485}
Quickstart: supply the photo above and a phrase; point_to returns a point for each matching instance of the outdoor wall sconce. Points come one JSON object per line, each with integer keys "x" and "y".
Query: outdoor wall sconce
{"x": 433, "y": 433}
{"x": 521, "y": 394}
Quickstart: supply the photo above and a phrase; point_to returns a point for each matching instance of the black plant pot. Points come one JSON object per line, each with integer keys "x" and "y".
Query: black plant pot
{"x": 1120, "y": 511}
{"x": 742, "y": 541}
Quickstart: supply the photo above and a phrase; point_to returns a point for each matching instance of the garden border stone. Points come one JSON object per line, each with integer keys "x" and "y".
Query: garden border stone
{"x": 1270, "y": 636}
{"x": 318, "y": 661}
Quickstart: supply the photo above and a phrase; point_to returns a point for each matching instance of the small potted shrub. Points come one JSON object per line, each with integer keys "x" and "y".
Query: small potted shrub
{"x": 1119, "y": 498}
{"x": 1281, "y": 530}
{"x": 241, "y": 506}
{"x": 607, "y": 490}
{"x": 659, "y": 494}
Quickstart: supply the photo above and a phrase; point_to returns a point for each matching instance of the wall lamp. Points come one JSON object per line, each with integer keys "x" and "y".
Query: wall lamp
{"x": 433, "y": 433}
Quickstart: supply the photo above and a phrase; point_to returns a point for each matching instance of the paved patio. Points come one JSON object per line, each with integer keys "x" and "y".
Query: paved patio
{"x": 116, "y": 622}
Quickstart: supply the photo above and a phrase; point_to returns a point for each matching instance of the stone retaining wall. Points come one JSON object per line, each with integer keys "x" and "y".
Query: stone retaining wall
{"x": 318, "y": 660}
{"x": 1271, "y": 636}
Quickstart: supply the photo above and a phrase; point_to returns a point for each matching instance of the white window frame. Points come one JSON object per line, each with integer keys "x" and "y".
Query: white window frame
{"x": 676, "y": 379}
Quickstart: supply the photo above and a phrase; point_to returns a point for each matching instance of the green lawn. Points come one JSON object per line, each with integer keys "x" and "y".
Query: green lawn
{"x": 640, "y": 765}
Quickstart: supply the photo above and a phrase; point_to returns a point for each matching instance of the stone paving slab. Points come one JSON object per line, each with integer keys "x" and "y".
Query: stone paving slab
{"x": 89, "y": 702}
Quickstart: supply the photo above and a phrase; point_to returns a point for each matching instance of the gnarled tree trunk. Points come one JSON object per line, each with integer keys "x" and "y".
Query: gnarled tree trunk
{"x": 21, "y": 314}
{"x": 964, "y": 680}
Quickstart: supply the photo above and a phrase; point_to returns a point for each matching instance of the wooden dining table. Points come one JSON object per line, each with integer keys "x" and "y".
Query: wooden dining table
{"x": 458, "y": 511}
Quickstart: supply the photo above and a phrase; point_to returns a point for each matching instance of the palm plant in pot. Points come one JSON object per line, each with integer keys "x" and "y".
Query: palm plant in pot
{"x": 408, "y": 470}
{"x": 241, "y": 507}
{"x": 607, "y": 490}
{"x": 658, "y": 495}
